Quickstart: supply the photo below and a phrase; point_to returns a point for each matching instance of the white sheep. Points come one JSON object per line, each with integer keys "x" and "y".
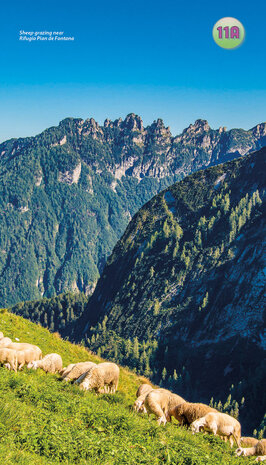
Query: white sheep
{"x": 142, "y": 392}
{"x": 219, "y": 424}
{"x": 159, "y": 402}
{"x": 26, "y": 346}
{"x": 1, "y": 335}
{"x": 5, "y": 342}
{"x": 101, "y": 378}
{"x": 10, "y": 357}
{"x": 78, "y": 370}
{"x": 51, "y": 363}
{"x": 258, "y": 449}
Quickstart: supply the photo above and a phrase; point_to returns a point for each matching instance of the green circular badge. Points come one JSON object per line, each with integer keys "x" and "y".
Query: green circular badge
{"x": 228, "y": 33}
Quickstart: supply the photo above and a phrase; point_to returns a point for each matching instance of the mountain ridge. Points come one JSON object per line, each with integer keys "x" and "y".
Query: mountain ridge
{"x": 67, "y": 195}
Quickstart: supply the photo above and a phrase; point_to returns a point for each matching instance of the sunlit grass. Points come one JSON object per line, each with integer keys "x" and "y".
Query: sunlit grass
{"x": 45, "y": 421}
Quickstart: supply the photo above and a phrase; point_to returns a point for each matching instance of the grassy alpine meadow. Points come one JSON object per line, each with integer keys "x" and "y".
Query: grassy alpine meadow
{"x": 44, "y": 421}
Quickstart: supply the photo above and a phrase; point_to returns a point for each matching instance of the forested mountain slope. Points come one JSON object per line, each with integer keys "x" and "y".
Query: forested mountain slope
{"x": 67, "y": 195}
{"x": 189, "y": 272}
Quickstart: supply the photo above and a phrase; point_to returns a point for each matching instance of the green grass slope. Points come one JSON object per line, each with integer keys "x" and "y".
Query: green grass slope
{"x": 44, "y": 421}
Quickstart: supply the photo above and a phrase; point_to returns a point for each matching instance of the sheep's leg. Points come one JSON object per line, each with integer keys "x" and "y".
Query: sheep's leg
{"x": 7, "y": 365}
{"x": 21, "y": 366}
{"x": 213, "y": 429}
{"x": 13, "y": 366}
{"x": 236, "y": 440}
{"x": 162, "y": 419}
{"x": 156, "y": 409}
{"x": 114, "y": 388}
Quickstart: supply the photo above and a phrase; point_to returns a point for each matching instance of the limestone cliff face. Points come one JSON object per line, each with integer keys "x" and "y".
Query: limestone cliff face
{"x": 88, "y": 181}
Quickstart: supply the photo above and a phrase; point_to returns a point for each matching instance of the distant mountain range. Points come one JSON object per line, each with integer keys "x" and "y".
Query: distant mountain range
{"x": 68, "y": 194}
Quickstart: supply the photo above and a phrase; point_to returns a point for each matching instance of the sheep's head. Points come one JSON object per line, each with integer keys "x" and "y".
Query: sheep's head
{"x": 32, "y": 365}
{"x": 240, "y": 451}
{"x": 142, "y": 408}
{"x": 197, "y": 425}
{"x": 138, "y": 405}
{"x": 86, "y": 384}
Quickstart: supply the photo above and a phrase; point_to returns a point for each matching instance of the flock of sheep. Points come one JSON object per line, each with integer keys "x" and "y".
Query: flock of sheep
{"x": 101, "y": 378}
{"x": 104, "y": 377}
{"x": 199, "y": 417}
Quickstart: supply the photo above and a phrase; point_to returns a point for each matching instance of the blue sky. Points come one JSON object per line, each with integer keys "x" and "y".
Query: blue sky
{"x": 156, "y": 59}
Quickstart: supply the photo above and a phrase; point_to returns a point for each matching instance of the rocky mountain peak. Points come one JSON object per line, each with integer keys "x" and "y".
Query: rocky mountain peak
{"x": 118, "y": 122}
{"x": 91, "y": 122}
{"x": 259, "y": 130}
{"x": 159, "y": 131}
{"x": 92, "y": 128}
{"x": 107, "y": 123}
{"x": 200, "y": 125}
{"x": 133, "y": 122}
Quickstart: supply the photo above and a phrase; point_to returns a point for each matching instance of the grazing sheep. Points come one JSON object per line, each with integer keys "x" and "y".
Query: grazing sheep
{"x": 51, "y": 363}
{"x": 78, "y": 370}
{"x": 259, "y": 449}
{"x": 26, "y": 356}
{"x": 64, "y": 372}
{"x": 188, "y": 412}
{"x": 248, "y": 441}
{"x": 101, "y": 378}
{"x": 5, "y": 342}
{"x": 221, "y": 424}
{"x": 10, "y": 357}
{"x": 161, "y": 401}
{"x": 1, "y": 335}
{"x": 142, "y": 391}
